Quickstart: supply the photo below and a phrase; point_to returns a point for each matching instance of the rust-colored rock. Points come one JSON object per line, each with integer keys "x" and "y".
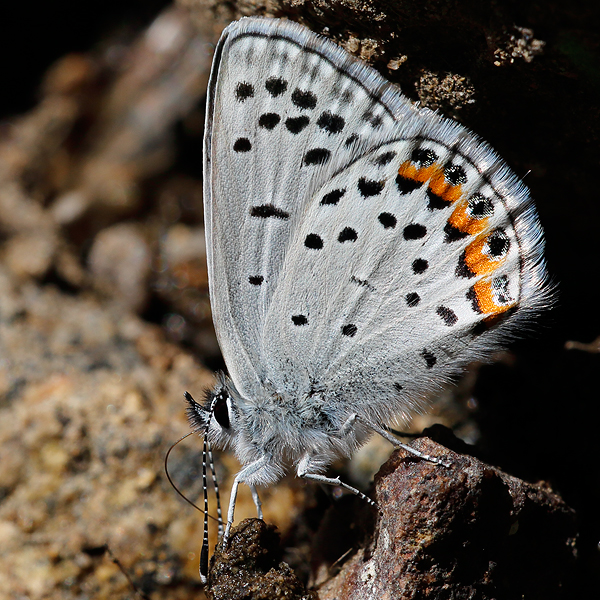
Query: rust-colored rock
{"x": 466, "y": 531}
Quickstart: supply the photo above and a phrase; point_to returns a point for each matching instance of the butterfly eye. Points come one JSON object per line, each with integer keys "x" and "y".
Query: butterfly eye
{"x": 221, "y": 411}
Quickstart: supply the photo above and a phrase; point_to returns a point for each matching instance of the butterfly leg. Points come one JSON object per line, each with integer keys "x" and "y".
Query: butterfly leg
{"x": 397, "y": 444}
{"x": 257, "y": 501}
{"x": 304, "y": 471}
{"x": 246, "y": 473}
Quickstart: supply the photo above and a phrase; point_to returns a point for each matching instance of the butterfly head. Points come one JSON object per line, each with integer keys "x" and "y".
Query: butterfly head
{"x": 216, "y": 418}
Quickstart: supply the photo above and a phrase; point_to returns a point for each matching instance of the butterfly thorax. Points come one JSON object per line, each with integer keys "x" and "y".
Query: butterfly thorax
{"x": 284, "y": 429}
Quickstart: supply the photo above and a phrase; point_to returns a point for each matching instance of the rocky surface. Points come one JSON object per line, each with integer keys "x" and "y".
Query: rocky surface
{"x": 467, "y": 531}
{"x": 464, "y": 531}
{"x": 251, "y": 567}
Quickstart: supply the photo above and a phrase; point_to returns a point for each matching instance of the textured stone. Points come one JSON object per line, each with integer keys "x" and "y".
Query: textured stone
{"x": 250, "y": 568}
{"x": 466, "y": 531}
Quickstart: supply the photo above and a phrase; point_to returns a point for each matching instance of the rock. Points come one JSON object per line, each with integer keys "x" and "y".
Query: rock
{"x": 121, "y": 262}
{"x": 464, "y": 531}
{"x": 467, "y": 531}
{"x": 250, "y": 568}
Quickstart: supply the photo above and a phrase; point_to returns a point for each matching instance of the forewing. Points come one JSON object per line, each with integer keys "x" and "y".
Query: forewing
{"x": 286, "y": 110}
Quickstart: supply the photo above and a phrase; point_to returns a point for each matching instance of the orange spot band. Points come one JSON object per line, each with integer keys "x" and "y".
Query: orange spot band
{"x": 477, "y": 261}
{"x": 486, "y": 301}
{"x": 462, "y": 221}
{"x": 437, "y": 182}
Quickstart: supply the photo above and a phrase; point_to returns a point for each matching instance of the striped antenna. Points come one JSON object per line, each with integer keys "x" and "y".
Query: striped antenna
{"x": 211, "y": 464}
{"x": 200, "y": 418}
{"x": 204, "y": 551}
{"x": 171, "y": 480}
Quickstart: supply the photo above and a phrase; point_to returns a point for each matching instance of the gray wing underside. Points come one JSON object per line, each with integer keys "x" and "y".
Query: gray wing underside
{"x": 316, "y": 294}
{"x": 391, "y": 307}
{"x": 275, "y": 171}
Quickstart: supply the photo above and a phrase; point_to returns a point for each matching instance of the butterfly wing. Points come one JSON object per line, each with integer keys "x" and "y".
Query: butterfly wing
{"x": 429, "y": 257}
{"x": 360, "y": 251}
{"x": 286, "y": 110}
{"x": 415, "y": 255}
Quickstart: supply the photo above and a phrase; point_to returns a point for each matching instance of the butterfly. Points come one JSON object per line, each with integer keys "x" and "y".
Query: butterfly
{"x": 361, "y": 252}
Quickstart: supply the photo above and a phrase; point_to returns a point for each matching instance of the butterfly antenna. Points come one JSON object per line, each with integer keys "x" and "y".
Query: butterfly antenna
{"x": 169, "y": 475}
{"x": 211, "y": 465}
{"x": 204, "y": 551}
{"x": 206, "y": 457}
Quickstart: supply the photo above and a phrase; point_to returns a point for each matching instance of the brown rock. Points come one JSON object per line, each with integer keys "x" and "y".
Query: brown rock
{"x": 467, "y": 531}
{"x": 250, "y": 568}
{"x": 464, "y": 531}
{"x": 121, "y": 261}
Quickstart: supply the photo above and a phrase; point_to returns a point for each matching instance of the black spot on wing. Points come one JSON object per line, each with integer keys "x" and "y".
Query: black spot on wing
{"x": 269, "y": 120}
{"x": 362, "y": 283}
{"x": 419, "y": 266}
{"x": 266, "y": 211}
{"x": 412, "y": 299}
{"x": 462, "y": 270}
{"x": 242, "y": 145}
{"x": 331, "y": 123}
{"x": 351, "y": 140}
{"x": 498, "y": 243}
{"x": 313, "y": 241}
{"x": 406, "y": 186}
{"x": 243, "y": 91}
{"x": 414, "y": 231}
{"x": 317, "y": 156}
{"x": 385, "y": 158}
{"x": 452, "y": 234}
{"x": 480, "y": 207}
{"x": 333, "y": 197}
{"x": 370, "y": 187}
{"x": 349, "y": 330}
{"x": 347, "y": 235}
{"x": 472, "y": 297}
{"x": 304, "y": 99}
{"x": 424, "y": 157}
{"x": 455, "y": 174}
{"x": 436, "y": 202}
{"x": 429, "y": 357}
{"x": 447, "y": 315}
{"x": 375, "y": 121}
{"x": 388, "y": 220}
{"x": 276, "y": 86}
{"x": 296, "y": 124}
